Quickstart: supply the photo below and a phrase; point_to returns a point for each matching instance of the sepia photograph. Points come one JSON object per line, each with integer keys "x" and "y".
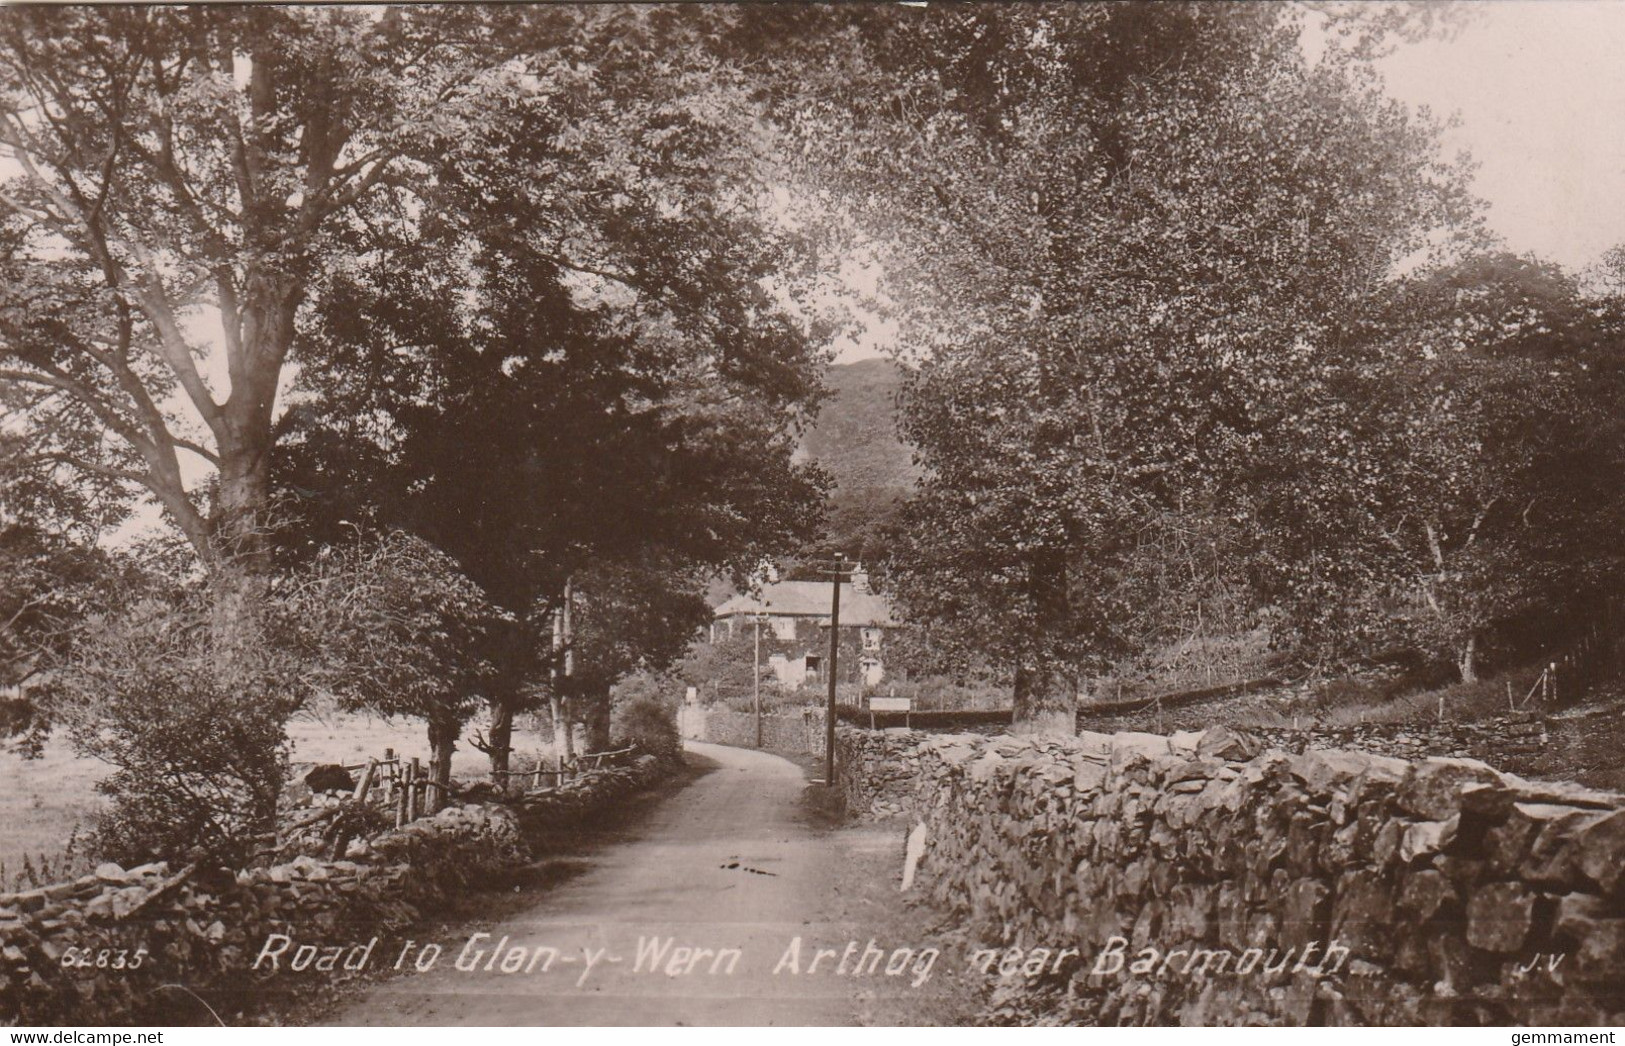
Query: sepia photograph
{"x": 736, "y": 515}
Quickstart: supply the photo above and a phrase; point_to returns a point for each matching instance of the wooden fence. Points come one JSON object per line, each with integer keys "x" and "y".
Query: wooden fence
{"x": 409, "y": 790}
{"x": 566, "y": 768}
{"x": 405, "y": 785}
{"x": 1596, "y": 657}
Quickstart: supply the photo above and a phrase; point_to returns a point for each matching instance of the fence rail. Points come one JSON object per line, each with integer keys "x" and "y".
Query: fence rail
{"x": 1597, "y": 656}
{"x": 406, "y": 787}
{"x": 569, "y": 767}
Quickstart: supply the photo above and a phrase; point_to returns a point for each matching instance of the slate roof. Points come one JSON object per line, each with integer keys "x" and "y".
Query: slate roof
{"x": 810, "y": 599}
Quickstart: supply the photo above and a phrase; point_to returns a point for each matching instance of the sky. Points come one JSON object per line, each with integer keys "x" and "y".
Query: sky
{"x": 1539, "y": 88}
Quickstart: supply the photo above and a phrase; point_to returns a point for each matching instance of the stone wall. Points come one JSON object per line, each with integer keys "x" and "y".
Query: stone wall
{"x": 111, "y": 947}
{"x": 798, "y": 730}
{"x": 1513, "y": 740}
{"x": 1509, "y": 742}
{"x": 1203, "y": 880}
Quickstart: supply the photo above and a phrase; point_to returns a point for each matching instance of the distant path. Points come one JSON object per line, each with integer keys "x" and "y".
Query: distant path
{"x": 684, "y": 873}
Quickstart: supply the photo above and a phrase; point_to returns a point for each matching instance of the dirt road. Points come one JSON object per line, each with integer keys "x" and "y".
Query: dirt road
{"x": 709, "y": 912}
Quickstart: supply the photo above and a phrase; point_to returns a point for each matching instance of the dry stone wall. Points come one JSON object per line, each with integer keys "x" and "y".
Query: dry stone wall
{"x": 112, "y": 947}
{"x": 798, "y": 730}
{"x": 1203, "y": 880}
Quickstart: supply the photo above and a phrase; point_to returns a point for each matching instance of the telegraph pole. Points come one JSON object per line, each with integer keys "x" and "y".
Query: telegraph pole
{"x": 834, "y": 654}
{"x": 756, "y": 681}
{"x": 569, "y": 667}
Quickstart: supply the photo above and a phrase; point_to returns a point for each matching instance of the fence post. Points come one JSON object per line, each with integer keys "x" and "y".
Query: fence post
{"x": 403, "y": 798}
{"x": 365, "y": 786}
{"x": 394, "y": 771}
{"x": 414, "y": 804}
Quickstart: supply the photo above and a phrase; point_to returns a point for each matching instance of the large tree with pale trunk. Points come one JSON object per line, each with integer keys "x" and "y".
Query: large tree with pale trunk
{"x": 189, "y": 194}
{"x": 174, "y": 179}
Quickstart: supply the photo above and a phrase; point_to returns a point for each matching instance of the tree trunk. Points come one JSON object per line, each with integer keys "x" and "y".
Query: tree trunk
{"x": 442, "y": 742}
{"x": 1045, "y": 703}
{"x": 500, "y": 735}
{"x": 564, "y": 728}
{"x": 1045, "y": 694}
{"x": 555, "y": 718}
{"x": 240, "y": 535}
{"x": 596, "y": 714}
{"x": 1467, "y": 663}
{"x": 241, "y": 521}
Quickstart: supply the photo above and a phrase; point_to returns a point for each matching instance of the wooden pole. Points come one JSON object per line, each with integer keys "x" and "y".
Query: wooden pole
{"x": 569, "y": 666}
{"x": 414, "y": 802}
{"x": 403, "y": 801}
{"x": 554, "y": 710}
{"x": 756, "y": 681}
{"x": 834, "y": 656}
{"x": 365, "y": 784}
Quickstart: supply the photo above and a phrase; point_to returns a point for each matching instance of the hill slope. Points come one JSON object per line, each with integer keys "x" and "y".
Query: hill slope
{"x": 856, "y": 440}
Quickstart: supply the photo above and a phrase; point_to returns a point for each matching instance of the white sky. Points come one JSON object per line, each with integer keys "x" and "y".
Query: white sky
{"x": 1539, "y": 86}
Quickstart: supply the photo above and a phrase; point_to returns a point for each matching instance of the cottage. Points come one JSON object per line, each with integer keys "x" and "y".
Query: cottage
{"x": 794, "y": 618}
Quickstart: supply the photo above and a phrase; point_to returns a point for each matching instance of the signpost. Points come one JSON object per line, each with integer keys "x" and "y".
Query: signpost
{"x": 834, "y": 654}
{"x": 890, "y": 704}
{"x": 756, "y": 681}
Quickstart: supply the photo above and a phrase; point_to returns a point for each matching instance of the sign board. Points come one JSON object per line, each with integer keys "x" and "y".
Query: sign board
{"x": 890, "y": 704}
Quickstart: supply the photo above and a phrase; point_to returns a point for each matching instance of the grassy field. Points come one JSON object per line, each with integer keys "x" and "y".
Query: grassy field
{"x": 43, "y": 801}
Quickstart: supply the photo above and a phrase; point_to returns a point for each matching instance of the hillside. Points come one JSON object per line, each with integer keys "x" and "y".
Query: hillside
{"x": 856, "y": 440}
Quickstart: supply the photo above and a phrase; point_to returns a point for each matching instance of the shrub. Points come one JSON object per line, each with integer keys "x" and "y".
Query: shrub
{"x": 199, "y": 753}
{"x": 392, "y": 625}
{"x": 643, "y": 713}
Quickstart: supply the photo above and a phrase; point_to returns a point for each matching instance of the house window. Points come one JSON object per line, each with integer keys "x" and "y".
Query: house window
{"x": 871, "y": 639}
{"x": 814, "y": 663}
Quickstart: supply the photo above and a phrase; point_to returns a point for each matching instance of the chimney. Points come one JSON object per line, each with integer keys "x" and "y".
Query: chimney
{"x": 860, "y": 580}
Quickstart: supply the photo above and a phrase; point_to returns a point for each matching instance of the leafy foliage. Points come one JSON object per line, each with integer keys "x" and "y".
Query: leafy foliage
{"x": 1128, "y": 229}
{"x": 394, "y": 627}
{"x": 1467, "y": 501}
{"x": 645, "y": 714}
{"x": 198, "y": 758}
{"x": 596, "y": 297}
{"x": 627, "y": 619}
{"x": 171, "y": 163}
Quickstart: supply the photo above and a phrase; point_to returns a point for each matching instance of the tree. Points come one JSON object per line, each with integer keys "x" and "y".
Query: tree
{"x": 1466, "y": 505}
{"x": 731, "y": 663}
{"x": 1120, "y": 230}
{"x": 181, "y": 168}
{"x": 628, "y": 618}
{"x": 198, "y": 758}
{"x": 394, "y": 627}
{"x": 49, "y": 586}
